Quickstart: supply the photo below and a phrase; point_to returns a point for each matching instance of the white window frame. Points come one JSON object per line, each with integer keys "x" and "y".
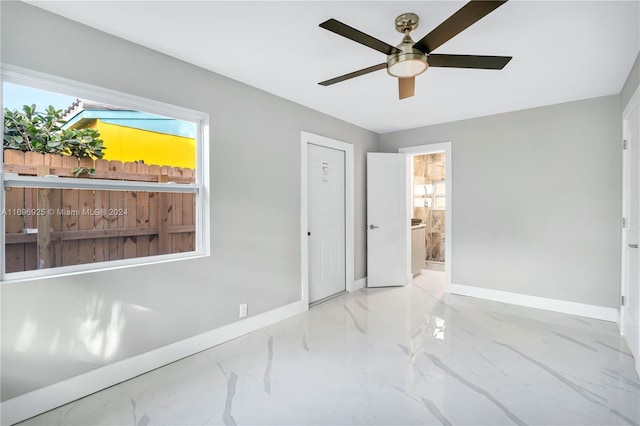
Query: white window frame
{"x": 30, "y": 78}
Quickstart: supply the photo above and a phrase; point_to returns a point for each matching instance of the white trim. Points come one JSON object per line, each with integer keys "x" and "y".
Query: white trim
{"x": 39, "y": 80}
{"x": 2, "y": 190}
{"x": 33, "y": 403}
{"x": 448, "y": 214}
{"x": 65, "y": 86}
{"x": 15, "y": 180}
{"x": 304, "y": 223}
{"x": 307, "y": 138}
{"x": 619, "y": 321}
{"x": 633, "y": 103}
{"x": 554, "y": 305}
{"x": 84, "y": 268}
{"x": 361, "y": 283}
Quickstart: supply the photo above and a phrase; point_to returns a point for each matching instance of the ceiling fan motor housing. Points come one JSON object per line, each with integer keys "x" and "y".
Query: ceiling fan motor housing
{"x": 409, "y": 62}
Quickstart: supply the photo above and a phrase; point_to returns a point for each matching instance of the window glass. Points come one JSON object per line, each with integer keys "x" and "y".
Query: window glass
{"x": 45, "y": 122}
{"x": 72, "y": 140}
{"x": 50, "y": 227}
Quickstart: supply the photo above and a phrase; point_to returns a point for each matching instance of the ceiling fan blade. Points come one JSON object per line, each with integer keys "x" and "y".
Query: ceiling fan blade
{"x": 358, "y": 36}
{"x": 406, "y": 87}
{"x": 468, "y": 15}
{"x": 468, "y": 61}
{"x": 354, "y": 74}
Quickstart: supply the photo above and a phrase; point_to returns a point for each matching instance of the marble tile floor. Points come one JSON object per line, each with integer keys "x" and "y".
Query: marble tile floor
{"x": 388, "y": 356}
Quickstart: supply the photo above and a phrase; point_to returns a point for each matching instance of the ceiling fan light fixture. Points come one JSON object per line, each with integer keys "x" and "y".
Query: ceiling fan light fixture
{"x": 406, "y": 65}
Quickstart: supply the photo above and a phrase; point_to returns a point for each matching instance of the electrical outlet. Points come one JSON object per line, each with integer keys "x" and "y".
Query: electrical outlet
{"x": 243, "y": 310}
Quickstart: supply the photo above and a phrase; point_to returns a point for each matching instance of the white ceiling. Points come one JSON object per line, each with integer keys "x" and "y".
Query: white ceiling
{"x": 562, "y": 51}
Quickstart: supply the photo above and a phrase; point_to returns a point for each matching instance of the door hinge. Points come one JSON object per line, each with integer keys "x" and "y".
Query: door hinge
{"x": 622, "y": 300}
{"x": 624, "y": 222}
{"x": 624, "y": 144}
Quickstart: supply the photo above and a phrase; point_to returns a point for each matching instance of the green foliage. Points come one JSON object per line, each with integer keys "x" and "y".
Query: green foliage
{"x": 82, "y": 143}
{"x": 78, "y": 171}
{"x": 30, "y": 130}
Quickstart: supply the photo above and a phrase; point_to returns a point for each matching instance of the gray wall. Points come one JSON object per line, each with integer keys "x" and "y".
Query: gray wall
{"x": 536, "y": 201}
{"x": 255, "y": 211}
{"x": 632, "y": 83}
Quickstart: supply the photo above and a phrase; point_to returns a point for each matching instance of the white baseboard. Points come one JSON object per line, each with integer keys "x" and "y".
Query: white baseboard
{"x": 358, "y": 284}
{"x": 619, "y": 323}
{"x": 33, "y": 403}
{"x": 555, "y": 305}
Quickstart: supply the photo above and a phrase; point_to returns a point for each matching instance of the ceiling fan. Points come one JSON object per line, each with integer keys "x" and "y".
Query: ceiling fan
{"x": 410, "y": 58}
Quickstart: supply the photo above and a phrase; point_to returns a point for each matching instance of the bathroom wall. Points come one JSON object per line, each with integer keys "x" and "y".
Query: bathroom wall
{"x": 427, "y": 169}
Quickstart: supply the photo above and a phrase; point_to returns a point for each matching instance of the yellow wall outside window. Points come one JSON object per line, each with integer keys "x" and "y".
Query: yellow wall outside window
{"x": 128, "y": 144}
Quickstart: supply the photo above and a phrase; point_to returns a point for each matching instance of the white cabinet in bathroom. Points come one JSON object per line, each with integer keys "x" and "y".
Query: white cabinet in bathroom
{"x": 418, "y": 251}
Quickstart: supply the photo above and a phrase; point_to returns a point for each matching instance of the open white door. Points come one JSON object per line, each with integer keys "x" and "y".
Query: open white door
{"x": 388, "y": 221}
{"x": 631, "y": 211}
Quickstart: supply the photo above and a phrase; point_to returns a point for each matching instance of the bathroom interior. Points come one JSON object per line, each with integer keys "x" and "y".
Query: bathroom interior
{"x": 428, "y": 219}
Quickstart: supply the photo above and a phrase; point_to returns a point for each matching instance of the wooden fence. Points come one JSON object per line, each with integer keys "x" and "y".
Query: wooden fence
{"x": 59, "y": 227}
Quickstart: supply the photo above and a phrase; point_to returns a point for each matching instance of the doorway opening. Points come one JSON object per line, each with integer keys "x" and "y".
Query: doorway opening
{"x": 431, "y": 211}
{"x": 429, "y": 207}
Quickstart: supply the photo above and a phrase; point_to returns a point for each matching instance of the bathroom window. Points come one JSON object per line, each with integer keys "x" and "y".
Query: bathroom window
{"x": 430, "y": 195}
{"x": 105, "y": 179}
{"x": 439, "y": 195}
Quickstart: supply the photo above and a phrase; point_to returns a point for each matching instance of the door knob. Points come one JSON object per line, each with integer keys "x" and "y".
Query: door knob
{"x": 373, "y": 226}
{"x": 633, "y": 246}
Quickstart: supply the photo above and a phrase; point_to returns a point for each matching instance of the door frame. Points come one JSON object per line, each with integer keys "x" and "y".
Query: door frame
{"x": 310, "y": 138}
{"x": 633, "y": 103}
{"x": 448, "y": 213}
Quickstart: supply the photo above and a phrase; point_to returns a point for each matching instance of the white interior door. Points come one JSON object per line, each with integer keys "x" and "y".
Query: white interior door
{"x": 631, "y": 253}
{"x": 326, "y": 213}
{"x": 388, "y": 221}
